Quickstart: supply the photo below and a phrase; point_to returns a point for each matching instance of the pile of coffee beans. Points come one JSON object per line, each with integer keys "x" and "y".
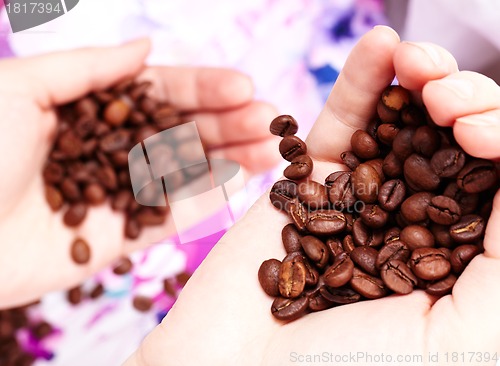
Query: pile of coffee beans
{"x": 410, "y": 213}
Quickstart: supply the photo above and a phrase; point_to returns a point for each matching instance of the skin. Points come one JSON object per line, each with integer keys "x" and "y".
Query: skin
{"x": 222, "y": 316}
{"x": 34, "y": 242}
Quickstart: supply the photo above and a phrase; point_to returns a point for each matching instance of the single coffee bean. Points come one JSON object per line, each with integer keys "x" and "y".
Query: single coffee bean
{"x": 468, "y": 202}
{"x": 143, "y": 133}
{"x": 426, "y": 141}
{"x": 291, "y": 239}
{"x": 89, "y": 147}
{"x": 317, "y": 302}
{"x": 398, "y": 277}
{"x": 363, "y": 145}
{"x": 94, "y": 193}
{"x": 387, "y": 132}
{"x": 444, "y": 210}
{"x": 365, "y": 257}
{"x": 366, "y": 183}
{"x": 121, "y": 200}
{"x": 418, "y": 171}
{"x": 477, "y": 176}
{"x": 368, "y": 286}
{"x": 289, "y": 309}
{"x": 396, "y": 97}
{"x": 70, "y": 144}
{"x": 312, "y": 275}
{"x": 269, "y": 276}
{"x": 448, "y": 162}
{"x": 300, "y": 167}
{"x": 116, "y": 112}
{"x": 146, "y": 216}
{"x": 364, "y": 236}
{"x": 429, "y": 264}
{"x": 442, "y": 235}
{"x": 80, "y": 251}
{"x": 340, "y": 295}
{"x": 349, "y": 220}
{"x": 391, "y": 194}
{"x": 284, "y": 125}
{"x": 348, "y": 244}
{"x": 385, "y": 114}
{"x": 377, "y": 164}
{"x": 315, "y": 250}
{"x": 282, "y": 193}
{"x": 371, "y": 128}
{"x": 97, "y": 291}
{"x": 54, "y": 197}
{"x": 142, "y": 303}
{"x": 414, "y": 208}
{"x": 291, "y": 147}
{"x": 392, "y": 234}
{"x": 123, "y": 266}
{"x": 139, "y": 91}
{"x": 53, "y": 173}
{"x": 120, "y": 158}
{"x": 350, "y": 159}
{"x": 74, "y": 295}
{"x": 298, "y": 214}
{"x": 392, "y": 166}
{"x": 334, "y": 246}
{"x": 340, "y": 190}
{"x": 340, "y": 272}
{"x": 469, "y": 229}
{"x": 394, "y": 250}
{"x": 441, "y": 287}
{"x": 87, "y": 107}
{"x": 101, "y": 129}
{"x": 373, "y": 216}
{"x": 402, "y": 146}
{"x": 132, "y": 228}
{"x": 313, "y": 195}
{"x": 461, "y": 256}
{"x": 412, "y": 115}
{"x": 326, "y": 222}
{"x": 115, "y": 141}
{"x": 416, "y": 236}
{"x": 292, "y": 278}
{"x": 83, "y": 128}
{"x": 75, "y": 214}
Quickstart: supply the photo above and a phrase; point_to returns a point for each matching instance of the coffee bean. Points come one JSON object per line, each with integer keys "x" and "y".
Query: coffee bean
{"x": 42, "y": 330}
{"x": 340, "y": 272}
{"x": 289, "y": 309}
{"x": 123, "y": 266}
{"x": 392, "y": 234}
{"x": 394, "y": 250}
{"x": 54, "y": 197}
{"x": 469, "y": 229}
{"x": 292, "y": 278}
{"x": 412, "y": 115}
{"x": 429, "y": 264}
{"x": 371, "y": 128}
{"x": 377, "y": 164}
{"x": 364, "y": 236}
{"x": 373, "y": 216}
{"x": 87, "y": 107}
{"x": 414, "y": 208}
{"x": 392, "y": 166}
{"x": 312, "y": 275}
{"x": 53, "y": 173}
{"x": 418, "y": 171}
{"x": 80, "y": 251}
{"x": 121, "y": 200}
{"x": 132, "y": 228}
{"x": 312, "y": 194}
{"x": 139, "y": 90}
{"x": 142, "y": 303}
{"x": 416, "y": 236}
{"x": 461, "y": 256}
{"x": 442, "y": 235}
{"x": 315, "y": 250}
{"x": 291, "y": 239}
{"x": 468, "y": 202}
{"x": 425, "y": 141}
{"x": 291, "y": 147}
{"x": 365, "y": 257}
{"x": 300, "y": 168}
{"x": 402, "y": 146}
{"x": 83, "y": 128}
{"x": 147, "y": 216}
{"x": 97, "y": 291}
{"x": 284, "y": 125}
{"x": 385, "y": 114}
{"x": 368, "y": 286}
{"x": 444, "y": 210}
{"x": 282, "y": 193}
{"x": 441, "y": 287}
{"x": 340, "y": 295}
{"x": 334, "y": 246}
{"x": 298, "y": 214}
{"x": 269, "y": 276}
{"x": 398, "y": 277}
{"x": 94, "y": 194}
{"x": 317, "y": 302}
{"x": 391, "y": 194}
{"x": 477, "y": 176}
{"x": 366, "y": 183}
{"x": 363, "y": 145}
{"x": 340, "y": 190}
{"x": 448, "y": 162}
{"x": 350, "y": 159}
{"x": 326, "y": 222}
{"x": 387, "y": 132}
{"x": 349, "y": 221}
{"x": 70, "y": 144}
{"x": 396, "y": 97}
{"x": 115, "y": 141}
{"x": 75, "y": 214}
{"x": 74, "y": 295}
{"x": 348, "y": 244}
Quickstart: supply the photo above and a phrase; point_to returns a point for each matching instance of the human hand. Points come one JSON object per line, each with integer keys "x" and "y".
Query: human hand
{"x": 222, "y": 316}
{"x": 34, "y": 244}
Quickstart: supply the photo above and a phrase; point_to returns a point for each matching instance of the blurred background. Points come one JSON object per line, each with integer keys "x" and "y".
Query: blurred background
{"x": 293, "y": 50}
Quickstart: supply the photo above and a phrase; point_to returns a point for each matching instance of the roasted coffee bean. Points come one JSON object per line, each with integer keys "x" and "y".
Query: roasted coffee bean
{"x": 348, "y": 244}
{"x": 477, "y": 176}
{"x": 89, "y": 147}
{"x": 282, "y": 193}
{"x": 289, "y": 309}
{"x": 317, "y": 302}
{"x": 442, "y": 235}
{"x": 94, "y": 193}
{"x": 373, "y": 216}
{"x": 292, "y": 278}
{"x": 398, "y": 277}
{"x": 123, "y": 266}
{"x": 391, "y": 194}
{"x": 425, "y": 141}
{"x": 340, "y": 272}
{"x": 429, "y": 264}
{"x": 462, "y": 255}
{"x": 441, "y": 287}
{"x": 54, "y": 197}
{"x": 334, "y": 246}
{"x": 115, "y": 141}
{"x": 366, "y": 183}
{"x": 121, "y": 200}
{"x": 312, "y": 275}
{"x": 350, "y": 159}
{"x": 448, "y": 162}
{"x": 340, "y": 295}
{"x": 444, "y": 210}
{"x": 365, "y": 257}
{"x": 391, "y": 234}
{"x": 387, "y": 132}
{"x": 83, "y": 128}
{"x": 53, "y": 173}
{"x": 377, "y": 164}
{"x": 300, "y": 168}
{"x": 42, "y": 330}
{"x": 139, "y": 90}
{"x": 371, "y": 128}
{"x": 142, "y": 303}
{"x": 120, "y": 158}
{"x": 418, "y": 171}
{"x": 132, "y": 228}
{"x": 75, "y": 214}
{"x": 412, "y": 115}
{"x": 312, "y": 194}
{"x": 416, "y": 236}
{"x": 87, "y": 107}
{"x": 326, "y": 222}
{"x": 394, "y": 250}
{"x": 80, "y": 251}
{"x": 182, "y": 278}
{"x": 396, "y": 97}
{"x": 269, "y": 276}
{"x": 385, "y": 114}
{"x": 71, "y": 190}
{"x": 97, "y": 291}
{"x": 363, "y": 145}
{"x": 468, "y": 202}
{"x": 414, "y": 208}
{"x": 284, "y": 125}
{"x": 402, "y": 146}
{"x": 349, "y": 221}
{"x": 298, "y": 214}
{"x": 340, "y": 190}
{"x": 144, "y": 133}
{"x": 469, "y": 229}
{"x": 291, "y": 147}
{"x": 392, "y": 166}
{"x": 315, "y": 250}
{"x": 75, "y": 295}
{"x": 70, "y": 144}
{"x": 146, "y": 216}
{"x": 364, "y": 236}
{"x": 291, "y": 239}
{"x": 368, "y": 286}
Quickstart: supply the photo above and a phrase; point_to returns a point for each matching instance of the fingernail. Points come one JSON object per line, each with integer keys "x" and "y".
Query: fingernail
{"x": 484, "y": 120}
{"x": 430, "y": 50}
{"x": 462, "y": 88}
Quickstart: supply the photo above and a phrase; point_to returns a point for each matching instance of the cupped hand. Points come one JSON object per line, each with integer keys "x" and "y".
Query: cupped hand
{"x": 223, "y": 317}
{"x": 34, "y": 243}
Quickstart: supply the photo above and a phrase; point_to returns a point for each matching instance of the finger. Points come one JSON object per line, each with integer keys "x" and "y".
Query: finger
{"x": 241, "y": 125}
{"x": 478, "y": 134}
{"x": 418, "y": 63}
{"x": 352, "y": 102}
{"x": 458, "y": 95}
{"x": 66, "y": 76}
{"x": 190, "y": 88}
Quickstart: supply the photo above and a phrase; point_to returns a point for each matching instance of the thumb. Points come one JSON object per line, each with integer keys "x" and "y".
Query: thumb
{"x": 61, "y": 77}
